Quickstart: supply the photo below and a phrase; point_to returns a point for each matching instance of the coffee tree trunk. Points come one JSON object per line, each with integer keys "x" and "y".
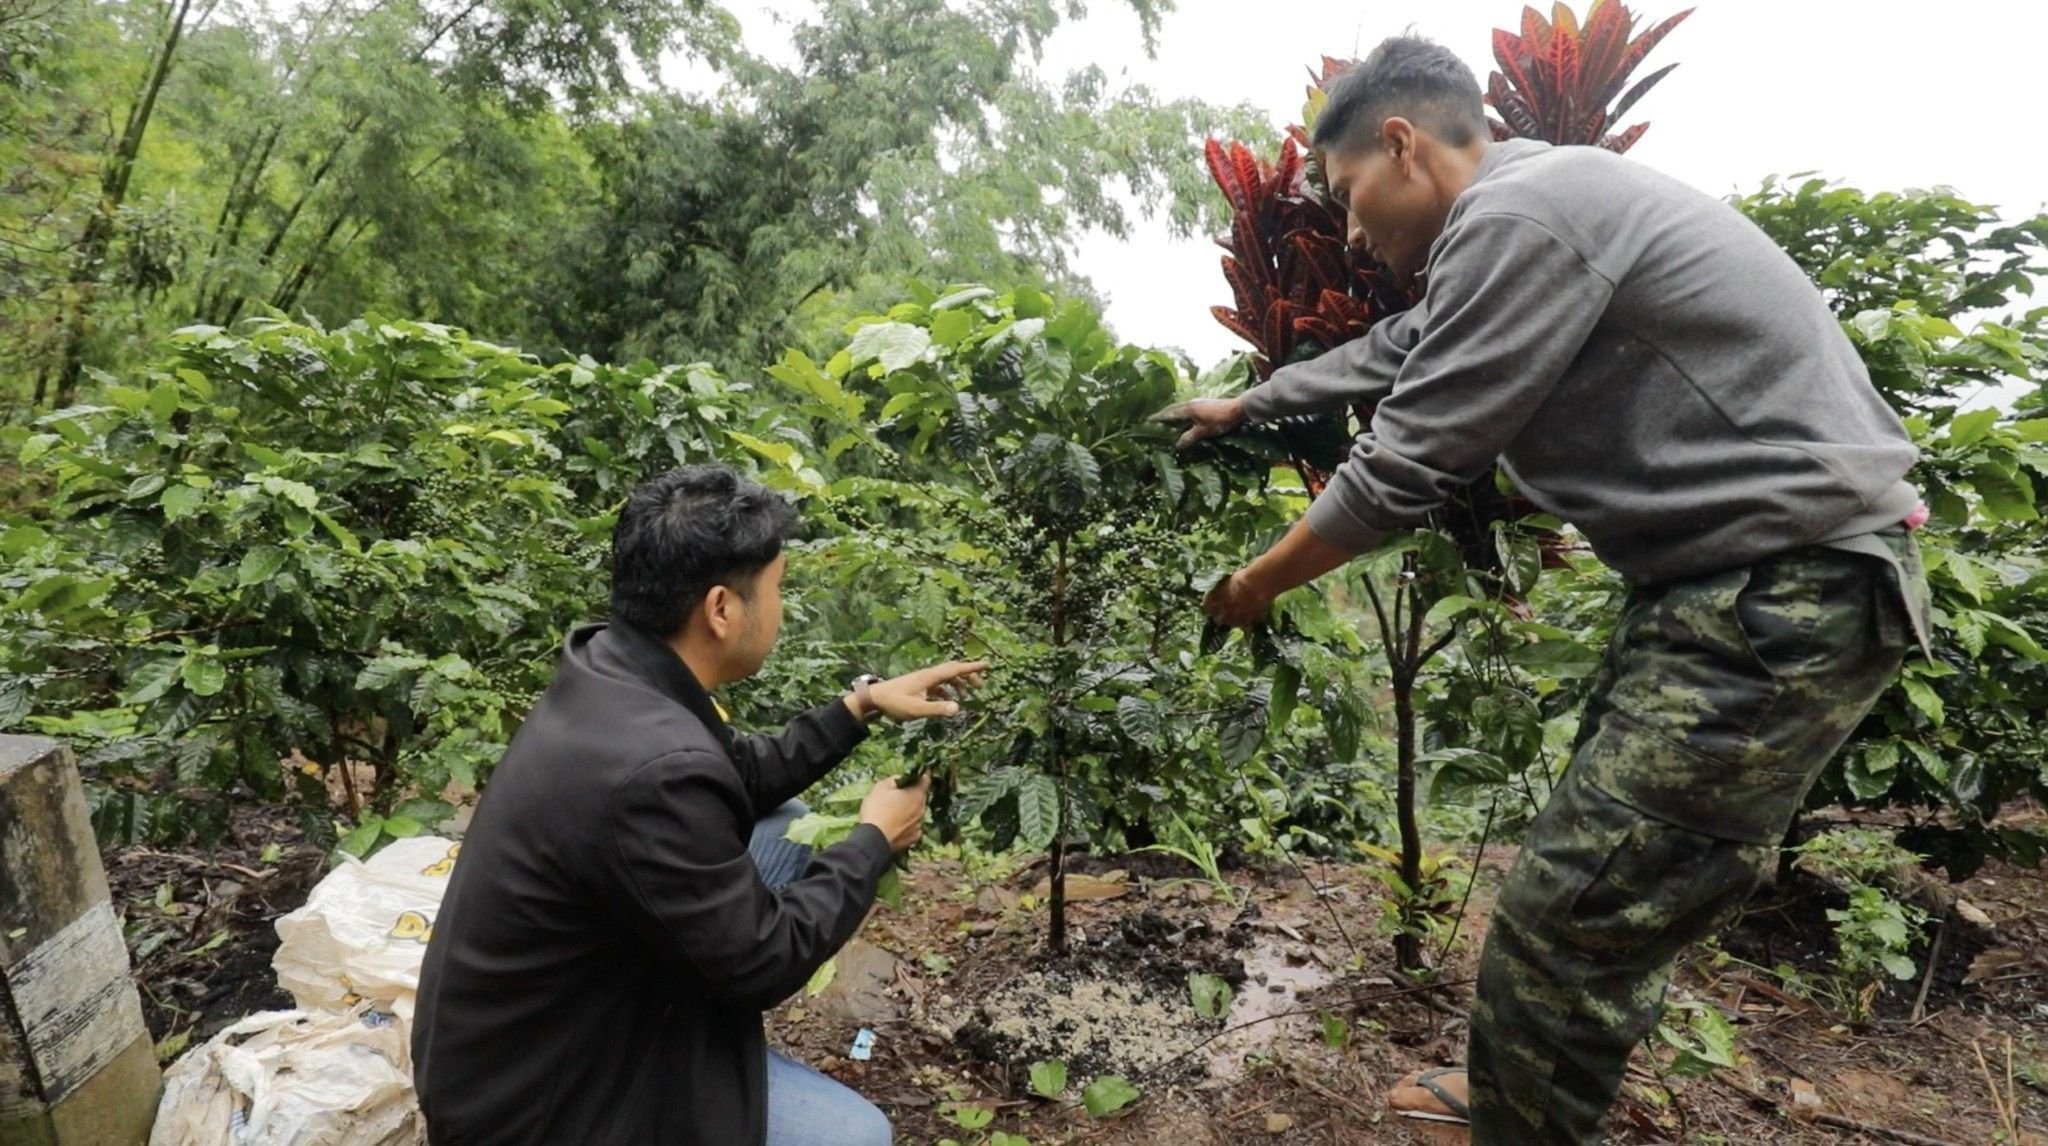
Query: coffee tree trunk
{"x": 1057, "y": 873}
{"x": 1058, "y": 876}
{"x": 1402, "y": 639}
{"x": 1408, "y": 940}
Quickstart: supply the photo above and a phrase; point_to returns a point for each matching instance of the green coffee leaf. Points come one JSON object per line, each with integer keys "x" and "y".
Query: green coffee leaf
{"x": 1107, "y": 1095}
{"x": 1049, "y": 1078}
{"x": 822, "y": 977}
{"x": 260, "y": 564}
{"x": 1211, "y": 995}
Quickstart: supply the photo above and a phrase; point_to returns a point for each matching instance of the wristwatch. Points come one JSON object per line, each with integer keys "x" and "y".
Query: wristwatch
{"x": 861, "y": 699}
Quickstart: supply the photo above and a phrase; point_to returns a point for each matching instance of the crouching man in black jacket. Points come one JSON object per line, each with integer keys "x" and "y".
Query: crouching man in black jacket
{"x": 614, "y": 928}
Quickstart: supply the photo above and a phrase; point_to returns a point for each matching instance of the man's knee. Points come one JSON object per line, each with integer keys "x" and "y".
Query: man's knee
{"x": 868, "y": 1126}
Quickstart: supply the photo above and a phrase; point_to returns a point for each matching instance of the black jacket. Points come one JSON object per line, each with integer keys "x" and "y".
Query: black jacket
{"x": 599, "y": 966}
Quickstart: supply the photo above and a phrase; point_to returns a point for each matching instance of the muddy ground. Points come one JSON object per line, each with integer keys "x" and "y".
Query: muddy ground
{"x": 962, "y": 997}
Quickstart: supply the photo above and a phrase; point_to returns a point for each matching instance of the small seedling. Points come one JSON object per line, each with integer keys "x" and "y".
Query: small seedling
{"x": 1336, "y": 1032}
{"x": 1107, "y": 1095}
{"x": 1211, "y": 995}
{"x": 1049, "y": 1078}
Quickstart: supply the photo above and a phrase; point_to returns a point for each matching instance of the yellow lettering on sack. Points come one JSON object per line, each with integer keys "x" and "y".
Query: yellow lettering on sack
{"x": 414, "y": 926}
{"x": 445, "y": 864}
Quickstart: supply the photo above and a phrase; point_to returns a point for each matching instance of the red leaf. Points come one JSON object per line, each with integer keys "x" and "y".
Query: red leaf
{"x": 1311, "y": 261}
{"x": 1564, "y": 68}
{"x": 1641, "y": 89}
{"x": 1339, "y": 307}
{"x": 1622, "y": 141}
{"x": 1315, "y": 328}
{"x": 1288, "y": 172}
{"x": 1224, "y": 175}
{"x": 1248, "y": 174}
{"x": 1603, "y": 45}
{"x": 1513, "y": 56}
{"x": 1520, "y": 119}
{"x": 1641, "y": 45}
{"x": 1234, "y": 325}
{"x": 1249, "y": 295}
{"x": 1248, "y": 243}
{"x": 1276, "y": 332}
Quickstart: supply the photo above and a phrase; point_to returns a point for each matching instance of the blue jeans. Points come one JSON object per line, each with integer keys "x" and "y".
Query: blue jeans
{"x": 806, "y": 1108}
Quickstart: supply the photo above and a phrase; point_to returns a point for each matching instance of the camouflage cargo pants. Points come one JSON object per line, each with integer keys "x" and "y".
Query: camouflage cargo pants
{"x": 1717, "y": 704}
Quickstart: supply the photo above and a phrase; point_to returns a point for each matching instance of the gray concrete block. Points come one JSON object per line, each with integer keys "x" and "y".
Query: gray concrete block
{"x": 76, "y": 1062}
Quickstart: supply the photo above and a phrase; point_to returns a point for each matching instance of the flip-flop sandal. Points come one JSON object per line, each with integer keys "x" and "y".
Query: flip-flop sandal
{"x": 1459, "y": 1112}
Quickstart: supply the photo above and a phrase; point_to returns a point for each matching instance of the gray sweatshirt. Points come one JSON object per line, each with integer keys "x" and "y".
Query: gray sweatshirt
{"x": 1644, "y": 362}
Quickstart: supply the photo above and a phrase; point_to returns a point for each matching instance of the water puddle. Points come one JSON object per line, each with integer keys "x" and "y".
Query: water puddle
{"x": 1277, "y": 975}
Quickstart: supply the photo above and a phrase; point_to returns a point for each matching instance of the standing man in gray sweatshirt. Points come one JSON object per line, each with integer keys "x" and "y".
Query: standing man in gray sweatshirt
{"x": 1648, "y": 366}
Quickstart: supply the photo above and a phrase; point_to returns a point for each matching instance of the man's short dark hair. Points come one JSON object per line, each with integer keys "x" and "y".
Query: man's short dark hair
{"x": 1408, "y": 76}
{"x": 685, "y": 531}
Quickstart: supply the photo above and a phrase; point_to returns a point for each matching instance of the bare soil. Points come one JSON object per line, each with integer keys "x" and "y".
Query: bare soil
{"x": 963, "y": 996}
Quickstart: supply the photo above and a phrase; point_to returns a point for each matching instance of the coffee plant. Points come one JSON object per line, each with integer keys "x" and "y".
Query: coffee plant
{"x": 1931, "y": 290}
{"x": 1010, "y": 501}
{"x": 285, "y": 557}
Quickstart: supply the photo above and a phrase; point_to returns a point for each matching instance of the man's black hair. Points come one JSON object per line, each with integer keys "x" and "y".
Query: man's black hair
{"x": 1408, "y": 76}
{"x": 685, "y": 531}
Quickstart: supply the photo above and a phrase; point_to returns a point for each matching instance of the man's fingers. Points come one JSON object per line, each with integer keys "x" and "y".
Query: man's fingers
{"x": 1178, "y": 412}
{"x": 927, "y": 678}
{"x": 920, "y": 785}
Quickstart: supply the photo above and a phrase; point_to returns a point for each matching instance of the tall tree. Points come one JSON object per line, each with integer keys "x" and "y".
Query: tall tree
{"x": 173, "y": 19}
{"x": 911, "y": 136}
{"x": 48, "y": 137}
{"x": 340, "y": 112}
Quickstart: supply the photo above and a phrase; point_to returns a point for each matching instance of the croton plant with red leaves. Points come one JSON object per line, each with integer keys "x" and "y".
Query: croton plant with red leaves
{"x": 1558, "y": 81}
{"x": 1299, "y": 291}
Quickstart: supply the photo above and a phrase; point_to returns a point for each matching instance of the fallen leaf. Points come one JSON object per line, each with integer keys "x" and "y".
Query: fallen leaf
{"x": 1081, "y": 887}
{"x": 1972, "y": 913}
{"x": 1992, "y": 962}
{"x": 1805, "y": 1099}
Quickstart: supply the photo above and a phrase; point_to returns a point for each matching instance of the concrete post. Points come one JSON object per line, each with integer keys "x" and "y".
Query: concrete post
{"x": 76, "y": 1063}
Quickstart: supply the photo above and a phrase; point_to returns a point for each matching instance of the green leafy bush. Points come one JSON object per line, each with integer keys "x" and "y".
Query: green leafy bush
{"x": 1002, "y": 496}
{"x": 293, "y": 544}
{"x": 1930, "y": 288}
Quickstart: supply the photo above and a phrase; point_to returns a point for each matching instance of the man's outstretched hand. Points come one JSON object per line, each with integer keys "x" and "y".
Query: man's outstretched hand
{"x": 1245, "y": 598}
{"x": 928, "y": 692}
{"x": 1237, "y": 602}
{"x": 1210, "y": 417}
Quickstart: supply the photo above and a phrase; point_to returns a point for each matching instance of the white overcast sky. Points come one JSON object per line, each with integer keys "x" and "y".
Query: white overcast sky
{"x": 1879, "y": 93}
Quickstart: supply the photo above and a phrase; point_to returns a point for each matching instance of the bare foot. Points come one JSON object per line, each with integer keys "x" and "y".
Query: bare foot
{"x": 1435, "y": 1095}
